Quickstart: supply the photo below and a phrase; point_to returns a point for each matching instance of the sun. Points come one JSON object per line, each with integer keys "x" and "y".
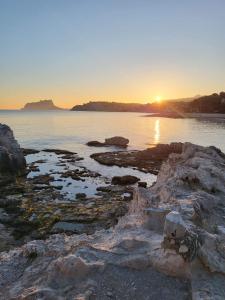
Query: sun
{"x": 158, "y": 99}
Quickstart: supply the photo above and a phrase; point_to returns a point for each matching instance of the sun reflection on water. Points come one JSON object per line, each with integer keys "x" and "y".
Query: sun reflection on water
{"x": 157, "y": 131}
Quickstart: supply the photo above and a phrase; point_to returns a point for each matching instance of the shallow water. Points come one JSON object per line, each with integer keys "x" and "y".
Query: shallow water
{"x": 72, "y": 130}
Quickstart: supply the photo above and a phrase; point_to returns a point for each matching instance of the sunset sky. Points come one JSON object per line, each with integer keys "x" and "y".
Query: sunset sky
{"x": 73, "y": 51}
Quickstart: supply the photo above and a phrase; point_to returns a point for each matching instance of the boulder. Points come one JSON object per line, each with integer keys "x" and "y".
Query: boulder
{"x": 117, "y": 141}
{"x": 174, "y": 225}
{"x": 12, "y": 161}
{"x": 124, "y": 180}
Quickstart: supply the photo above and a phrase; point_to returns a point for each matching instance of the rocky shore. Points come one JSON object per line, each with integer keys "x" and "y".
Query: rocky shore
{"x": 148, "y": 161}
{"x": 167, "y": 243}
{"x": 174, "y": 229}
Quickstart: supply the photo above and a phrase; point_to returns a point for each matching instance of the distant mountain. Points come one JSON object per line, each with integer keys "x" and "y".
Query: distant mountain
{"x": 41, "y": 105}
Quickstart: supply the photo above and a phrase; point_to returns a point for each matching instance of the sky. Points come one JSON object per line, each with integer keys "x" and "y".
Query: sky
{"x": 75, "y": 51}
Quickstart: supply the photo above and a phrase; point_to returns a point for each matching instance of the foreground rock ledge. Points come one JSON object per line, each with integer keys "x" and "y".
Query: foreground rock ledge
{"x": 170, "y": 245}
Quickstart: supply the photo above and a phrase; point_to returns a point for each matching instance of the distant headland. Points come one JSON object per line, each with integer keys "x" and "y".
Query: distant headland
{"x": 41, "y": 105}
{"x": 214, "y": 103}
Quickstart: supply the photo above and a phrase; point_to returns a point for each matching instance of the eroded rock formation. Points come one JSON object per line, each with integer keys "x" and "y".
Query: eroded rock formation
{"x": 12, "y": 162}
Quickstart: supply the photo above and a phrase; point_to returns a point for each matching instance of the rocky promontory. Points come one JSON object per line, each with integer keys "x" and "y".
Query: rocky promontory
{"x": 41, "y": 105}
{"x": 170, "y": 245}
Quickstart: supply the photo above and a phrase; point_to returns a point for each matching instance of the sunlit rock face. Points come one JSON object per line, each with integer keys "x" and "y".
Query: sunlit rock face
{"x": 12, "y": 161}
{"x": 175, "y": 228}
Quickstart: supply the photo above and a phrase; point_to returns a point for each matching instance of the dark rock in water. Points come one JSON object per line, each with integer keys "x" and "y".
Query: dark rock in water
{"x": 95, "y": 144}
{"x": 58, "y": 151}
{"x": 148, "y": 161}
{"x": 27, "y": 151}
{"x": 81, "y": 196}
{"x": 117, "y": 141}
{"x": 124, "y": 180}
{"x": 142, "y": 184}
{"x": 42, "y": 179}
{"x": 12, "y": 161}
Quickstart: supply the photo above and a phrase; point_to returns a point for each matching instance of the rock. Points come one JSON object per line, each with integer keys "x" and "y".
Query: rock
{"x": 81, "y": 196}
{"x": 77, "y": 228}
{"x": 149, "y": 160}
{"x": 124, "y": 180}
{"x": 155, "y": 218}
{"x": 142, "y": 184}
{"x": 117, "y": 141}
{"x": 12, "y": 161}
{"x": 27, "y": 151}
{"x": 174, "y": 225}
{"x": 95, "y": 144}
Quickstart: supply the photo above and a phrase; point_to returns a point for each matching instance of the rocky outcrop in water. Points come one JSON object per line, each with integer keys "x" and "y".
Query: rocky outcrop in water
{"x": 12, "y": 162}
{"x": 117, "y": 141}
{"x": 170, "y": 245}
{"x": 149, "y": 160}
{"x": 41, "y": 105}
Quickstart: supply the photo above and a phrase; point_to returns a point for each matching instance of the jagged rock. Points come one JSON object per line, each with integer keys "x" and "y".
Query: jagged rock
{"x": 155, "y": 218}
{"x": 12, "y": 161}
{"x": 174, "y": 225}
{"x": 124, "y": 180}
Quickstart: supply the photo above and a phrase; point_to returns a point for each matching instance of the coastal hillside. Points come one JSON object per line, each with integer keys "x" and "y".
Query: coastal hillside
{"x": 41, "y": 105}
{"x": 114, "y": 107}
{"x": 214, "y": 103}
{"x": 130, "y": 107}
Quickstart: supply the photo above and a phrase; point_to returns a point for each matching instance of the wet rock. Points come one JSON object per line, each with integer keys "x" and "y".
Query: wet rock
{"x": 42, "y": 179}
{"x": 12, "y": 161}
{"x": 81, "y": 196}
{"x": 58, "y": 151}
{"x": 95, "y": 144}
{"x": 149, "y": 160}
{"x": 142, "y": 184}
{"x": 27, "y": 151}
{"x": 125, "y": 180}
{"x": 117, "y": 141}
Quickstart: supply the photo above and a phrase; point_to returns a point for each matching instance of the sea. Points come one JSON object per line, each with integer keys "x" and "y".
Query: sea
{"x": 71, "y": 130}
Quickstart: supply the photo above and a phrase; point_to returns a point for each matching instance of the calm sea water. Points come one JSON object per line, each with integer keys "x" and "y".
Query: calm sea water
{"x": 72, "y": 130}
